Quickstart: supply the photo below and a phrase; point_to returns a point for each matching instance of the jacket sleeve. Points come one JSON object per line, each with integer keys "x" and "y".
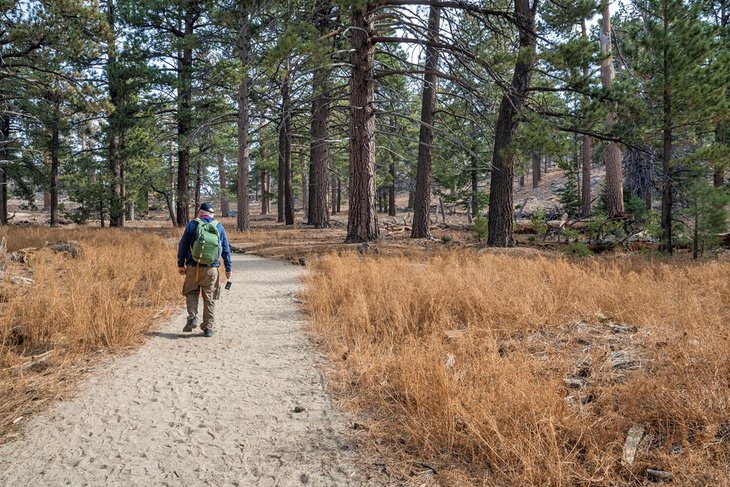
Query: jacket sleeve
{"x": 225, "y": 248}
{"x": 184, "y": 246}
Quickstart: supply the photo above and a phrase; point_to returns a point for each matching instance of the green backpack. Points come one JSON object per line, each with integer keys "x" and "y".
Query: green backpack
{"x": 206, "y": 247}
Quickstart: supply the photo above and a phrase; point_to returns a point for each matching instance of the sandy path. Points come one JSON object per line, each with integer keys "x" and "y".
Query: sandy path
{"x": 189, "y": 410}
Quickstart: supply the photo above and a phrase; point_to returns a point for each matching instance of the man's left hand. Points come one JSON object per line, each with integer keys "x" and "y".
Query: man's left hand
{"x": 228, "y": 275}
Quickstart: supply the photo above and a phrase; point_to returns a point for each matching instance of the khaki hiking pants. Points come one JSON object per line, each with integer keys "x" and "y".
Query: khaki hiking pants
{"x": 205, "y": 281}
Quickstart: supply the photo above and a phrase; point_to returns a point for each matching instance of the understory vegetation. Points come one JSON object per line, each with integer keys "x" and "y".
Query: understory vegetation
{"x": 67, "y": 296}
{"x": 504, "y": 369}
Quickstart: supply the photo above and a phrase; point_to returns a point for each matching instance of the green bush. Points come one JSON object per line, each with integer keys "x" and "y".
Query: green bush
{"x": 480, "y": 228}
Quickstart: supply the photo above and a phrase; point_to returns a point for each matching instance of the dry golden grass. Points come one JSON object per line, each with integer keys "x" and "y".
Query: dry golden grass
{"x": 77, "y": 307}
{"x": 487, "y": 402}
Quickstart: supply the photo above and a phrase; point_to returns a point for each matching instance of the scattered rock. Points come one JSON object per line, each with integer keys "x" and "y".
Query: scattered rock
{"x": 575, "y": 382}
{"x": 18, "y": 420}
{"x": 578, "y": 379}
{"x": 659, "y": 474}
{"x": 22, "y": 281}
{"x": 71, "y": 247}
{"x": 237, "y": 250}
{"x": 428, "y": 466}
{"x": 633, "y": 438}
{"x": 450, "y": 361}
{"x": 454, "y": 334}
{"x": 359, "y": 426}
{"x": 298, "y": 409}
{"x": 622, "y": 328}
{"x": 623, "y": 360}
{"x": 22, "y": 255}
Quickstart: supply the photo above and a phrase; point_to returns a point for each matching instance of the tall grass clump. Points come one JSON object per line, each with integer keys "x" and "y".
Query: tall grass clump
{"x": 508, "y": 370}
{"x": 102, "y": 299}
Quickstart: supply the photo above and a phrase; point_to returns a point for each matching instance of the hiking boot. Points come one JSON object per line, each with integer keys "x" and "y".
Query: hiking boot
{"x": 208, "y": 332}
{"x": 190, "y": 325}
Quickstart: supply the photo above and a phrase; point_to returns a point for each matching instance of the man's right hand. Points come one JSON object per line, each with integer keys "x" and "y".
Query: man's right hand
{"x": 181, "y": 271}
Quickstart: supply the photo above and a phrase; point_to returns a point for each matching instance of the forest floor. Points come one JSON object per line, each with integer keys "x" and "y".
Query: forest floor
{"x": 451, "y": 365}
{"x": 247, "y": 407}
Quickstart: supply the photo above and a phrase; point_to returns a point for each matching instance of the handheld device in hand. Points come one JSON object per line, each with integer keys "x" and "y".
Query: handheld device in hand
{"x": 228, "y": 285}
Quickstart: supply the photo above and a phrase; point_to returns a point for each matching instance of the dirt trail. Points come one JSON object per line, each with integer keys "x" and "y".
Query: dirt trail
{"x": 189, "y": 410}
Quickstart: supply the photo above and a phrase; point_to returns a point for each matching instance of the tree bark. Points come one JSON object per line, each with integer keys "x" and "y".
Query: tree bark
{"x": 4, "y": 156}
{"x": 116, "y": 203}
{"x": 391, "y": 190}
{"x": 265, "y": 189}
{"x": 474, "y": 176}
{"x": 184, "y": 121}
{"x": 536, "y": 166}
{"x": 55, "y": 161}
{"x": 612, "y": 153}
{"x": 422, "y": 202}
{"x": 198, "y": 181}
{"x": 362, "y": 220}
{"x": 169, "y": 198}
{"x": 305, "y": 185}
{"x": 318, "y": 214}
{"x": 223, "y": 185}
{"x": 339, "y": 195}
{"x": 243, "y": 223}
{"x": 501, "y": 206}
{"x": 285, "y": 167}
{"x": 333, "y": 198}
{"x": 585, "y": 203}
{"x": 666, "y": 244}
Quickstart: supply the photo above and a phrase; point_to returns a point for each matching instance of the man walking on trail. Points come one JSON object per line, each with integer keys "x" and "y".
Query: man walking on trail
{"x": 199, "y": 254}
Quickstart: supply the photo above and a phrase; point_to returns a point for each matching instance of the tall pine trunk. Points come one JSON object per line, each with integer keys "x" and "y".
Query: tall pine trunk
{"x": 333, "y": 198}
{"x": 362, "y": 220}
{"x": 198, "y": 181}
{"x": 285, "y": 167}
{"x": 536, "y": 167}
{"x": 474, "y": 177}
{"x": 612, "y": 153}
{"x": 184, "y": 121}
{"x": 55, "y": 161}
{"x": 319, "y": 155}
{"x": 223, "y": 184}
{"x": 243, "y": 223}
{"x": 4, "y": 156}
{"x": 116, "y": 201}
{"x": 391, "y": 190}
{"x": 501, "y": 206}
{"x": 169, "y": 196}
{"x": 585, "y": 202}
{"x": 422, "y": 201}
{"x": 265, "y": 190}
{"x": 666, "y": 244}
{"x": 305, "y": 185}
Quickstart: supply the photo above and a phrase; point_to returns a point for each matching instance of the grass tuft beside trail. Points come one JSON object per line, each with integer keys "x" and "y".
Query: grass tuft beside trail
{"x": 104, "y": 299}
{"x": 508, "y": 370}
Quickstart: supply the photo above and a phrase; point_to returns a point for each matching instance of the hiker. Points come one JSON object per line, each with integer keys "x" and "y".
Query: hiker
{"x": 199, "y": 254}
